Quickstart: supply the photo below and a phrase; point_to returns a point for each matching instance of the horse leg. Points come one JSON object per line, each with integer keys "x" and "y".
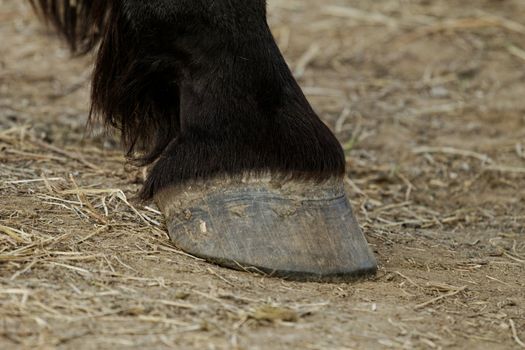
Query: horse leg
{"x": 243, "y": 169}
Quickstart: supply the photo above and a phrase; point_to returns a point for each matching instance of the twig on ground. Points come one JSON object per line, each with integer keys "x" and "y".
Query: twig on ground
{"x": 515, "y": 334}
{"x": 444, "y": 296}
{"x": 453, "y": 151}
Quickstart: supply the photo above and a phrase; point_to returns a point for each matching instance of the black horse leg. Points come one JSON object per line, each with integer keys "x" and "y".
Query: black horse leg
{"x": 243, "y": 169}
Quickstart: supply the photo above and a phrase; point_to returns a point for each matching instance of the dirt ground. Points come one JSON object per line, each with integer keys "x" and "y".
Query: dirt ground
{"x": 428, "y": 98}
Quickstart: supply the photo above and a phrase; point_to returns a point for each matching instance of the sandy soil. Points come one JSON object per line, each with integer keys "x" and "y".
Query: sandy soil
{"x": 428, "y": 99}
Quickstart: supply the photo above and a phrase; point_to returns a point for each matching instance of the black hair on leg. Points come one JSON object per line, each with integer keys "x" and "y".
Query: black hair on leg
{"x": 197, "y": 88}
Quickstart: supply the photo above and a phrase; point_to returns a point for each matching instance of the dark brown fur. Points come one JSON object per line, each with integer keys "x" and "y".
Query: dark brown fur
{"x": 199, "y": 88}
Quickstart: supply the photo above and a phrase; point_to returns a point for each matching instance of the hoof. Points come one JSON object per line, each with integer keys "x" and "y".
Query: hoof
{"x": 295, "y": 230}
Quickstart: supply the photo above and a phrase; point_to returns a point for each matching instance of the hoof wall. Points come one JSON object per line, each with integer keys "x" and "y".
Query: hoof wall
{"x": 298, "y": 231}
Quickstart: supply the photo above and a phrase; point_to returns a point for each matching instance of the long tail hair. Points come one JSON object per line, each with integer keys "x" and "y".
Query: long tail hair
{"x": 132, "y": 90}
{"x": 79, "y": 22}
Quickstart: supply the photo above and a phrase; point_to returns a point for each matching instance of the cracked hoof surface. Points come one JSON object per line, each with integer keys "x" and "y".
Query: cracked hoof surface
{"x": 291, "y": 229}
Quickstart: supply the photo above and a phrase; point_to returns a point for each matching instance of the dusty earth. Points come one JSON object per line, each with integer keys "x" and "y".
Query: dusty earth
{"x": 428, "y": 98}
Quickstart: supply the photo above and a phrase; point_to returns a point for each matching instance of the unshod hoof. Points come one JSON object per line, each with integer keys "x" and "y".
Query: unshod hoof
{"x": 291, "y": 229}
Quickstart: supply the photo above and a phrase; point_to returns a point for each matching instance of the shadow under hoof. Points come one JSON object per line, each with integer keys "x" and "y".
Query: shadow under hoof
{"x": 290, "y": 229}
